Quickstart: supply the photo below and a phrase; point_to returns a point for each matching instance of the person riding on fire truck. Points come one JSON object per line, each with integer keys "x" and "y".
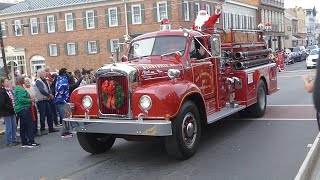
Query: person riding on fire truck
{"x": 206, "y": 23}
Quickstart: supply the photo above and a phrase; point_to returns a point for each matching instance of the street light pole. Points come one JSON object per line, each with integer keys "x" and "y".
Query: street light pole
{"x": 3, "y": 54}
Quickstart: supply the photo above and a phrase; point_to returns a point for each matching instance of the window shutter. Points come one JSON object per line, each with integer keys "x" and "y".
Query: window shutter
{"x": 45, "y": 25}
{"x": 22, "y": 27}
{"x": 86, "y": 47}
{"x": 107, "y": 17}
{"x": 143, "y": 13}
{"x": 155, "y": 13}
{"x": 183, "y": 6}
{"x": 189, "y": 7}
{"x": 84, "y": 20}
{"x": 30, "y": 27}
{"x": 129, "y": 14}
{"x": 95, "y": 18}
{"x": 65, "y": 48}
{"x": 55, "y": 24}
{"x": 48, "y": 49}
{"x": 13, "y": 27}
{"x": 119, "y": 16}
{"x": 195, "y": 10}
{"x": 98, "y": 46}
{"x": 38, "y": 22}
{"x": 6, "y": 29}
{"x": 169, "y": 14}
{"x": 76, "y": 48}
{"x": 74, "y": 21}
{"x": 58, "y": 50}
{"x": 108, "y": 45}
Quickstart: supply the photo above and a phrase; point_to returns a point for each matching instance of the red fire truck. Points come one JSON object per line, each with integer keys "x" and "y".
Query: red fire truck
{"x": 169, "y": 85}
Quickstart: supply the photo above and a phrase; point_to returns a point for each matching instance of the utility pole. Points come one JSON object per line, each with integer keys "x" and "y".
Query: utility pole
{"x": 3, "y": 54}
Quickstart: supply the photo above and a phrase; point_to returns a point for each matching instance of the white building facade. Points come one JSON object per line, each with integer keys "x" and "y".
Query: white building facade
{"x": 311, "y": 26}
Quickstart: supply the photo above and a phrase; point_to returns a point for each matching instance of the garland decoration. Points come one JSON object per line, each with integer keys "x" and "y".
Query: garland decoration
{"x": 113, "y": 95}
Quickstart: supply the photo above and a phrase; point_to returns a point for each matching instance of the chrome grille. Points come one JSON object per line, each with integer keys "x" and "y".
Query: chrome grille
{"x": 123, "y": 82}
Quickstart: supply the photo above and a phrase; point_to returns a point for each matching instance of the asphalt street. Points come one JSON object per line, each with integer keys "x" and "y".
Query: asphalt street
{"x": 269, "y": 148}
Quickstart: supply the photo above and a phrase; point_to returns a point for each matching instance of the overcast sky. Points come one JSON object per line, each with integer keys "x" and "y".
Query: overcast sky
{"x": 304, "y": 4}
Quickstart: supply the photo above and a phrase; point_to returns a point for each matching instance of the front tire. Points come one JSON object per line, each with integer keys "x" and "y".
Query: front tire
{"x": 186, "y": 132}
{"x": 95, "y": 143}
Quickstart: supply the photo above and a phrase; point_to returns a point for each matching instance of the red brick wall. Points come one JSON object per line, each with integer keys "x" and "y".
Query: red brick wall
{"x": 37, "y": 44}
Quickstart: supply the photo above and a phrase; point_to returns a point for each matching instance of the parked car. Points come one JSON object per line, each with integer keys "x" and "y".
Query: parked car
{"x": 303, "y": 53}
{"x": 293, "y": 55}
{"x": 312, "y": 59}
{"x": 309, "y": 48}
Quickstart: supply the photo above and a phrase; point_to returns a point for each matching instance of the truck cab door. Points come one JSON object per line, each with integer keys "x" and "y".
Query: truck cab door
{"x": 202, "y": 69}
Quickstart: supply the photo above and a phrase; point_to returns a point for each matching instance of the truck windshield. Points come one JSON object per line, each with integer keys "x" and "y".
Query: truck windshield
{"x": 157, "y": 46}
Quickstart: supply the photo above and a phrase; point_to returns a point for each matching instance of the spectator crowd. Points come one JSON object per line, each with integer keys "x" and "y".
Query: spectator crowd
{"x": 42, "y": 98}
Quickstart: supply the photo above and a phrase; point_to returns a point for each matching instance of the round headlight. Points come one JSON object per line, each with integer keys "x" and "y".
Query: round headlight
{"x": 145, "y": 102}
{"x": 87, "y": 102}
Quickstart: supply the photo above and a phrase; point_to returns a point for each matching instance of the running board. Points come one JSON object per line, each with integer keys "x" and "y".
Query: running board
{"x": 224, "y": 112}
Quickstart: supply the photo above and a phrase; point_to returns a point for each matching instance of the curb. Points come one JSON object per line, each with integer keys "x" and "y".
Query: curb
{"x": 307, "y": 168}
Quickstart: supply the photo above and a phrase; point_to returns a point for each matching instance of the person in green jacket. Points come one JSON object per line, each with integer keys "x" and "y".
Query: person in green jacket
{"x": 23, "y": 109}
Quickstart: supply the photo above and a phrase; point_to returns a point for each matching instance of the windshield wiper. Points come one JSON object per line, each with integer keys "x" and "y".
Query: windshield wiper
{"x": 167, "y": 54}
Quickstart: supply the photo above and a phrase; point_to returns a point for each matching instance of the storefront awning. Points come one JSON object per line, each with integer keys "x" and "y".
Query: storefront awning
{"x": 297, "y": 36}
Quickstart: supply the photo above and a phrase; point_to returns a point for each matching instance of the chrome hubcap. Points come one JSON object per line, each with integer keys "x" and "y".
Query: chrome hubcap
{"x": 189, "y": 129}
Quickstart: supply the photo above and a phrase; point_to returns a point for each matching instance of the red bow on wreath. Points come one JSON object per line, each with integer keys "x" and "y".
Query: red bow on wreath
{"x": 109, "y": 87}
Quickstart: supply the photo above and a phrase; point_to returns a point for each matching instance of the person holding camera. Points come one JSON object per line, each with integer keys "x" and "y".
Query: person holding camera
{"x": 23, "y": 109}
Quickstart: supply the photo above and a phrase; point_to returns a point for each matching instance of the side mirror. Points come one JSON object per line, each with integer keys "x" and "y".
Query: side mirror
{"x": 215, "y": 41}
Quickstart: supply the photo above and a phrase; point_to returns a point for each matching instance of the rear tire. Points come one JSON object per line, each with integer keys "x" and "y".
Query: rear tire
{"x": 258, "y": 109}
{"x": 186, "y": 132}
{"x": 95, "y": 143}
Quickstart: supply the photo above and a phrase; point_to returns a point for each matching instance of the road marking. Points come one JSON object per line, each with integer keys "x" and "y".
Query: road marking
{"x": 276, "y": 119}
{"x": 310, "y": 70}
{"x": 291, "y": 105}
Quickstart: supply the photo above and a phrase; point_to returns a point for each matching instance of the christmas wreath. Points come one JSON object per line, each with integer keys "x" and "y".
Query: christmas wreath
{"x": 113, "y": 95}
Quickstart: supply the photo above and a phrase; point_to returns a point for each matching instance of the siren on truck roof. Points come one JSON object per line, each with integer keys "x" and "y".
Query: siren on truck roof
{"x": 165, "y": 24}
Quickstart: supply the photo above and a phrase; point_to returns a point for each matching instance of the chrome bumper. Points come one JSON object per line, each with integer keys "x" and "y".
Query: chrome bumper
{"x": 123, "y": 127}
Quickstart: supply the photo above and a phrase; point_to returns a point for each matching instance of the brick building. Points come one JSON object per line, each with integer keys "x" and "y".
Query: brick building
{"x": 272, "y": 11}
{"x": 82, "y": 33}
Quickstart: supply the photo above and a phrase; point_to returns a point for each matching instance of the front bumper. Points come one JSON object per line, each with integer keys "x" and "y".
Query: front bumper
{"x": 121, "y": 127}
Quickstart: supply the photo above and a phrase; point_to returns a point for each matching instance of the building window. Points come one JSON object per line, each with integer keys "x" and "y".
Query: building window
{"x": 17, "y": 28}
{"x": 34, "y": 26}
{"x": 208, "y": 9}
{"x": 69, "y": 22}
{"x": 92, "y": 47}
{"x": 226, "y": 23}
{"x": 113, "y": 44}
{"x": 71, "y": 48}
{"x": 136, "y": 14}
{"x": 186, "y": 10}
{"x": 53, "y": 49}
{"x": 4, "y": 29}
{"x": 51, "y": 24}
{"x": 90, "y": 19}
{"x": 196, "y": 9}
{"x": 113, "y": 17}
{"x": 162, "y": 10}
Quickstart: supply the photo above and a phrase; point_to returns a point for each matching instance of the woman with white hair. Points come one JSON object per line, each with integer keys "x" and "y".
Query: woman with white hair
{"x": 30, "y": 88}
